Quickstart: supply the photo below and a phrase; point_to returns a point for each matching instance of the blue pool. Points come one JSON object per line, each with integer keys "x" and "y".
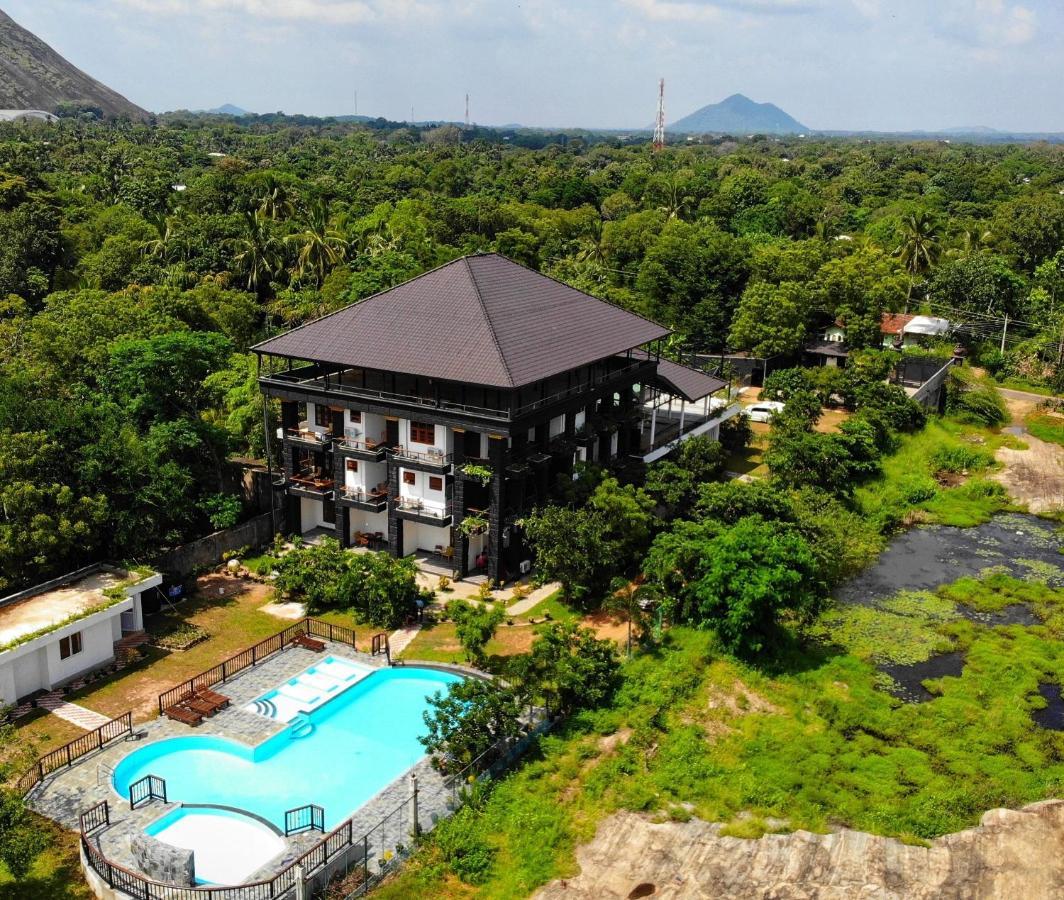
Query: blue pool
{"x": 361, "y": 741}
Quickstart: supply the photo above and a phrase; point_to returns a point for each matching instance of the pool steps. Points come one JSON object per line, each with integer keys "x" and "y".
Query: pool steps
{"x": 309, "y": 689}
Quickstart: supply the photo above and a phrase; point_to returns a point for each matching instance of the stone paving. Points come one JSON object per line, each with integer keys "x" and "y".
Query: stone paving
{"x": 65, "y": 794}
{"x": 71, "y": 712}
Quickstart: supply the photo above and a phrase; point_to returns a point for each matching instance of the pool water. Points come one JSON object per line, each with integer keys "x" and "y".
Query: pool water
{"x": 229, "y": 847}
{"x": 338, "y": 756}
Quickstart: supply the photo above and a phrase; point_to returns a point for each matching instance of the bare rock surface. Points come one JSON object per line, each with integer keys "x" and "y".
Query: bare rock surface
{"x": 1011, "y": 854}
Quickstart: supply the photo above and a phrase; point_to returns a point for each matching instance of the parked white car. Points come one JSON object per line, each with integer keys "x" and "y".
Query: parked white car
{"x": 764, "y": 410}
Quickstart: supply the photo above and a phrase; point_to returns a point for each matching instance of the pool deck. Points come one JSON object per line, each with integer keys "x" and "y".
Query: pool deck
{"x": 65, "y": 794}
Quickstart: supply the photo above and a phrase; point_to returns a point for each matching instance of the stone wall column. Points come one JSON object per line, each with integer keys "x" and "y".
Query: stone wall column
{"x": 497, "y": 453}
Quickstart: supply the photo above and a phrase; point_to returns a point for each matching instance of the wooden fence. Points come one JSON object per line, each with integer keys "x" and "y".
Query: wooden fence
{"x": 77, "y": 748}
{"x": 252, "y": 656}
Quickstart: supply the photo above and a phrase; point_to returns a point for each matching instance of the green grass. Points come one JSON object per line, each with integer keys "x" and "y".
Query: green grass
{"x": 907, "y": 489}
{"x": 56, "y": 873}
{"x": 1020, "y": 384}
{"x": 815, "y": 744}
{"x": 1046, "y": 427}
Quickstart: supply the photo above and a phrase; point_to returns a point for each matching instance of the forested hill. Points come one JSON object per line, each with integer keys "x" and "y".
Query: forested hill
{"x": 34, "y": 76}
{"x": 739, "y": 115}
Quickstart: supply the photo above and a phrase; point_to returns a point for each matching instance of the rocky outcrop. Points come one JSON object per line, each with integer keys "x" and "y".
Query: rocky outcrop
{"x": 34, "y": 76}
{"x": 1011, "y": 854}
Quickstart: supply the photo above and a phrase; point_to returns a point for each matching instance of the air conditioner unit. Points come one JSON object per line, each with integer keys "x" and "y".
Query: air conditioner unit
{"x": 435, "y": 451}
{"x": 353, "y": 433}
{"x": 525, "y": 566}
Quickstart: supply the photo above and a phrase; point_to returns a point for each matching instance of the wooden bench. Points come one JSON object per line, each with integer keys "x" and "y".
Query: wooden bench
{"x": 180, "y": 713}
{"x": 309, "y": 643}
{"x": 218, "y": 701}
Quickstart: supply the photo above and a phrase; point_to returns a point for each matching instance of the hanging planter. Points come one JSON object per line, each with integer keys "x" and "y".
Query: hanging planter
{"x": 483, "y": 474}
{"x": 471, "y": 525}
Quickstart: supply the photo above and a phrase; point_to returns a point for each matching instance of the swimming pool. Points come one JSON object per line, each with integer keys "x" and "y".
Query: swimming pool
{"x": 338, "y": 756}
{"x": 229, "y": 846}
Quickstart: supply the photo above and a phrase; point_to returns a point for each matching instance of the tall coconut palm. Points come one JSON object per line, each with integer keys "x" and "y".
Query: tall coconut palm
{"x": 167, "y": 245}
{"x": 972, "y": 242}
{"x": 276, "y": 203}
{"x": 919, "y": 250}
{"x": 259, "y": 254}
{"x": 321, "y": 245}
{"x": 671, "y": 193}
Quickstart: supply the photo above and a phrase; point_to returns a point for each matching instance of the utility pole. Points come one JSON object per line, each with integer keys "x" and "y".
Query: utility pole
{"x": 467, "y": 111}
{"x": 1004, "y": 331}
{"x": 659, "y": 122}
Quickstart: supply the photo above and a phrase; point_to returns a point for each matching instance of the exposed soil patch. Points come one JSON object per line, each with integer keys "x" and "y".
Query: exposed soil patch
{"x": 1052, "y": 717}
{"x": 1034, "y": 476}
{"x": 909, "y": 679}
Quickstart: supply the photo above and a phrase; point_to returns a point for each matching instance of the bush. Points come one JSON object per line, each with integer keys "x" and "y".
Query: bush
{"x": 958, "y": 458}
{"x": 974, "y": 403}
{"x": 475, "y": 626}
{"x": 736, "y": 433}
{"x": 782, "y": 384}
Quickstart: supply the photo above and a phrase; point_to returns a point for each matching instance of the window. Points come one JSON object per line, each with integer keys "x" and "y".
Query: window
{"x": 352, "y": 465}
{"x": 355, "y": 415}
{"x": 322, "y": 416}
{"x": 422, "y": 433}
{"x": 409, "y": 478}
{"x": 435, "y": 483}
{"x": 68, "y": 646}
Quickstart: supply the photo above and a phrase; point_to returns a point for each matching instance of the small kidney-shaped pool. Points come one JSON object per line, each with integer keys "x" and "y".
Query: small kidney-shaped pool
{"x": 354, "y": 746}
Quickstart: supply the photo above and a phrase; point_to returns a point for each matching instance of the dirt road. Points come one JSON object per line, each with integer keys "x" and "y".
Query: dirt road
{"x": 1034, "y": 476}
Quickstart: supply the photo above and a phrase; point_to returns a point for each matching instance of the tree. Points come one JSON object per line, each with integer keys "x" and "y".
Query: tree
{"x": 321, "y": 245}
{"x": 259, "y": 254}
{"x": 572, "y": 547}
{"x": 982, "y": 284}
{"x": 630, "y": 599}
{"x": 770, "y": 320}
{"x": 468, "y": 721}
{"x": 743, "y": 580}
{"x": 568, "y": 668}
{"x": 475, "y": 626}
{"x": 857, "y": 289}
{"x": 920, "y": 248}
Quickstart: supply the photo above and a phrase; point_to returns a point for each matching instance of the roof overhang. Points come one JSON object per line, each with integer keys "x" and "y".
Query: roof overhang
{"x": 683, "y": 381}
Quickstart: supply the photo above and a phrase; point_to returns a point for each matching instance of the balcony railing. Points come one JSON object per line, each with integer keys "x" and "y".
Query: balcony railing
{"x": 365, "y": 446}
{"x": 307, "y": 434}
{"x": 315, "y": 483}
{"x": 375, "y": 497}
{"x": 433, "y": 456}
{"x": 416, "y": 505}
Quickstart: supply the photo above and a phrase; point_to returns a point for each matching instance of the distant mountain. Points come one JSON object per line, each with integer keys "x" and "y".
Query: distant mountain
{"x": 739, "y": 115}
{"x": 226, "y": 109}
{"x": 970, "y": 129}
{"x": 34, "y": 76}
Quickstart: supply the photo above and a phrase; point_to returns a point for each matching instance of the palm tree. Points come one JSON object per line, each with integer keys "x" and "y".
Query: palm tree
{"x": 276, "y": 203}
{"x": 630, "y": 599}
{"x": 919, "y": 249}
{"x": 670, "y": 190}
{"x": 166, "y": 245}
{"x": 321, "y": 244}
{"x": 591, "y": 248}
{"x": 972, "y": 243}
{"x": 259, "y": 254}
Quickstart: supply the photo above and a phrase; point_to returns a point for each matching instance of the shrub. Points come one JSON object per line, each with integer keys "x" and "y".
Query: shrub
{"x": 958, "y": 458}
{"x": 973, "y": 403}
{"x": 736, "y": 433}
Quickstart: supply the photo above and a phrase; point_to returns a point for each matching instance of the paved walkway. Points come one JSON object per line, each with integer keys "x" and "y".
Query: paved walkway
{"x": 400, "y": 639}
{"x": 71, "y": 712}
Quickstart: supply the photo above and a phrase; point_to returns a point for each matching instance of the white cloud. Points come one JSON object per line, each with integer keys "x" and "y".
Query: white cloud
{"x": 330, "y": 12}
{"x": 989, "y": 23}
{"x": 712, "y": 10}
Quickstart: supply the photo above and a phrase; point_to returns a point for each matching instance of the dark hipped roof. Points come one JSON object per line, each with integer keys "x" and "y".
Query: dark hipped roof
{"x": 683, "y": 381}
{"x": 481, "y": 319}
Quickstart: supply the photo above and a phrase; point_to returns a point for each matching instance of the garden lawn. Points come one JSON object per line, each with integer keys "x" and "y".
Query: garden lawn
{"x": 814, "y": 744}
{"x": 232, "y": 620}
{"x": 1046, "y": 426}
{"x": 56, "y": 873}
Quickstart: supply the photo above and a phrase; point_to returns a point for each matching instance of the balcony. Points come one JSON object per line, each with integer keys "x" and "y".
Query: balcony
{"x": 370, "y": 451}
{"x": 306, "y": 436}
{"x": 416, "y": 510}
{"x": 432, "y": 460}
{"x": 315, "y": 486}
{"x": 375, "y": 500}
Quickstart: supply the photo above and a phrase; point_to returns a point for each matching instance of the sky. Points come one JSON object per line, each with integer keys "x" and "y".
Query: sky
{"x": 832, "y": 64}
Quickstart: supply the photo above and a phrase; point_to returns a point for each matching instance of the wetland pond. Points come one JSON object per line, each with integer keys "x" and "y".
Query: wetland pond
{"x": 926, "y": 558}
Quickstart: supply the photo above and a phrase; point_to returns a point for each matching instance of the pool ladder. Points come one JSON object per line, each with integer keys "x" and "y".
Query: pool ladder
{"x": 301, "y": 727}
